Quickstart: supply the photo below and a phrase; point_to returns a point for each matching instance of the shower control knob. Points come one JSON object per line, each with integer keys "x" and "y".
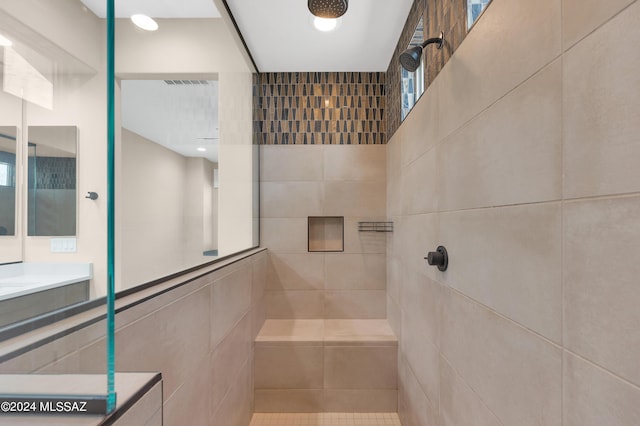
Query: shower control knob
{"x": 438, "y": 258}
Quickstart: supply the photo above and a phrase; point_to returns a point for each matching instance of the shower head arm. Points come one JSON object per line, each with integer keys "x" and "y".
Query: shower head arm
{"x": 439, "y": 40}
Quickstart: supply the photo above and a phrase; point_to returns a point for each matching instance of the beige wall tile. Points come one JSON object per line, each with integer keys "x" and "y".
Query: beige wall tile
{"x": 422, "y": 356}
{"x": 360, "y": 400}
{"x": 395, "y": 194}
{"x": 414, "y": 407}
{"x": 258, "y": 317}
{"x": 459, "y": 404}
{"x": 601, "y": 296}
{"x": 303, "y": 271}
{"x": 421, "y": 301}
{"x": 297, "y": 331}
{"x": 295, "y": 304}
{"x": 487, "y": 64}
{"x": 358, "y": 330}
{"x": 364, "y": 242}
{"x": 509, "y": 154}
{"x": 230, "y": 301}
{"x": 191, "y": 400}
{"x": 394, "y": 317}
{"x": 236, "y": 408}
{"x": 395, "y": 279}
{"x": 360, "y": 367}
{"x": 171, "y": 341}
{"x": 355, "y": 198}
{"x": 291, "y": 163}
{"x": 144, "y": 410}
{"x": 420, "y": 184}
{"x": 516, "y": 373}
{"x": 259, "y": 269}
{"x": 362, "y": 304}
{"x": 228, "y": 358}
{"x": 288, "y": 367}
{"x": 595, "y": 397}
{"x": 601, "y": 99}
{"x": 421, "y": 129}
{"x": 580, "y": 17}
{"x": 289, "y": 400}
{"x": 284, "y": 235}
{"x": 291, "y": 199}
{"x": 355, "y": 162}
{"x": 414, "y": 237}
{"x": 355, "y": 271}
{"x": 509, "y": 259}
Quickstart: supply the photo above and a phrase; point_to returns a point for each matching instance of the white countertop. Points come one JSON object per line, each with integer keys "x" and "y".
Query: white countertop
{"x": 18, "y": 279}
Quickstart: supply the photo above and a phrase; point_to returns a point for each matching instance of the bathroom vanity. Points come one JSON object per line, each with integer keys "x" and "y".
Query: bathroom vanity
{"x": 28, "y": 290}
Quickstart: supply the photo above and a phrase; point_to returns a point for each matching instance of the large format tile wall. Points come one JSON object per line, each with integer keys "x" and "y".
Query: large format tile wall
{"x": 199, "y": 336}
{"x": 323, "y": 180}
{"x": 521, "y": 158}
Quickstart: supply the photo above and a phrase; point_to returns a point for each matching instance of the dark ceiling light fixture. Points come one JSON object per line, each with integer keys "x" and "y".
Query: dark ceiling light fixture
{"x": 410, "y": 58}
{"x": 328, "y": 9}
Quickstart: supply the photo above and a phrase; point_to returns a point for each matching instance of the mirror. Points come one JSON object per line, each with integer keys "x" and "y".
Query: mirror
{"x": 51, "y": 180}
{"x": 412, "y": 83}
{"x": 8, "y": 147}
{"x": 169, "y": 167}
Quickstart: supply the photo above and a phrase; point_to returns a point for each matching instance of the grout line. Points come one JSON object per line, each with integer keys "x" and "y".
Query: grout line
{"x": 602, "y": 369}
{"x": 562, "y": 218}
{"x": 457, "y": 373}
{"x": 590, "y": 33}
{"x": 502, "y": 316}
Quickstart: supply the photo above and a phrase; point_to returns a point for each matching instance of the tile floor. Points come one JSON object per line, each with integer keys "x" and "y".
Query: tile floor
{"x": 325, "y": 419}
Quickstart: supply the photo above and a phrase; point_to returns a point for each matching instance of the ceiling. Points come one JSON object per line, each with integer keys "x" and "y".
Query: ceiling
{"x": 280, "y": 33}
{"x": 281, "y": 37}
{"x": 156, "y": 8}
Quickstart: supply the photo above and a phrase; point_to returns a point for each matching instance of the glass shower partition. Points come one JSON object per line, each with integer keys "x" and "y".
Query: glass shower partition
{"x": 56, "y": 256}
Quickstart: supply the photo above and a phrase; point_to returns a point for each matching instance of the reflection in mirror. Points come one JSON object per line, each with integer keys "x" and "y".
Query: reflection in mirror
{"x": 8, "y": 145}
{"x": 413, "y": 82}
{"x": 169, "y": 169}
{"x": 51, "y": 204}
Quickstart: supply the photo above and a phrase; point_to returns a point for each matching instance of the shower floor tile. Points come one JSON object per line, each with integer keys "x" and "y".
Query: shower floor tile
{"x": 325, "y": 419}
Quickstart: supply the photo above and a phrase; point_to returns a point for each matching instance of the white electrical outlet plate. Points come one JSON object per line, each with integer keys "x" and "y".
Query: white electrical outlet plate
{"x": 63, "y": 245}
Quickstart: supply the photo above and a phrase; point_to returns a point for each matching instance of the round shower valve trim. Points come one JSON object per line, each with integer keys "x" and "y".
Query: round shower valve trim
{"x": 438, "y": 258}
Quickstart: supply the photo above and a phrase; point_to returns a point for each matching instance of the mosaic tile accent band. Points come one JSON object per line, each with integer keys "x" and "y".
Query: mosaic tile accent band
{"x": 328, "y": 108}
{"x": 52, "y": 173}
{"x": 448, "y": 16}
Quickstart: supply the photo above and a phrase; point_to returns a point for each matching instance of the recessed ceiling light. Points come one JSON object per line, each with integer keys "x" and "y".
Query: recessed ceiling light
{"x": 144, "y": 22}
{"x": 325, "y": 24}
{"x": 202, "y": 149}
{"x": 5, "y": 41}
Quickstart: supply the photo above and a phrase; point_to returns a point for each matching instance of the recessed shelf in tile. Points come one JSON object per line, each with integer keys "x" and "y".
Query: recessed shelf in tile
{"x": 326, "y": 233}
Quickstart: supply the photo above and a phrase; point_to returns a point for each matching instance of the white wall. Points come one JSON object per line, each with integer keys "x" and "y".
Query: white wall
{"x": 179, "y": 47}
{"x": 153, "y": 225}
{"x": 236, "y": 174}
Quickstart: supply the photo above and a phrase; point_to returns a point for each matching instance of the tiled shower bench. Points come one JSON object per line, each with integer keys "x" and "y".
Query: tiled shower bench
{"x": 310, "y": 366}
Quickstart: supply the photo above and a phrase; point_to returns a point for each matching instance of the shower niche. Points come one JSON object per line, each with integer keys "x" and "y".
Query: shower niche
{"x": 326, "y": 233}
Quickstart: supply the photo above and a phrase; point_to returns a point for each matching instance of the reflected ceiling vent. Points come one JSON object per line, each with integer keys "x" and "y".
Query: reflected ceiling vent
{"x": 183, "y": 82}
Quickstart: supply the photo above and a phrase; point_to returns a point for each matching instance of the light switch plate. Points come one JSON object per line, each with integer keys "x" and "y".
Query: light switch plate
{"x": 63, "y": 245}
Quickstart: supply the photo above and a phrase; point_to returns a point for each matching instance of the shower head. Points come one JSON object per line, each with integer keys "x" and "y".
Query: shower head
{"x": 410, "y": 58}
{"x": 328, "y": 8}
